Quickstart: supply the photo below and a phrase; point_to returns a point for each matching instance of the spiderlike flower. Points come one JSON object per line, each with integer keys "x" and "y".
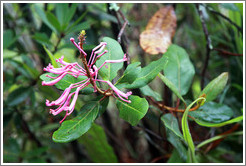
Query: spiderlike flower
{"x": 66, "y": 102}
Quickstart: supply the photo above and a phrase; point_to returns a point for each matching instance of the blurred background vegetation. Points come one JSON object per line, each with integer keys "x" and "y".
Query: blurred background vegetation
{"x": 33, "y": 32}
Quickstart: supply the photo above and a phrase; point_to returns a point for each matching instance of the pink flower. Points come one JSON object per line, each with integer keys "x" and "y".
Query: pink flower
{"x": 66, "y": 102}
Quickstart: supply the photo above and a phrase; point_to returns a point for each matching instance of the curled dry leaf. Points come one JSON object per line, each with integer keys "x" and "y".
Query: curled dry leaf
{"x": 159, "y": 32}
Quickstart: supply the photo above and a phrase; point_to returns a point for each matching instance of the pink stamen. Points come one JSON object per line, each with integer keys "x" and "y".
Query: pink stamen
{"x": 113, "y": 61}
{"x": 72, "y": 40}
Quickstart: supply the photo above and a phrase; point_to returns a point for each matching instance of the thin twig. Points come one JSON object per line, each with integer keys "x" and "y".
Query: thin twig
{"x": 208, "y": 44}
{"x": 226, "y": 52}
{"x": 120, "y": 34}
{"x": 224, "y": 17}
{"x": 126, "y": 22}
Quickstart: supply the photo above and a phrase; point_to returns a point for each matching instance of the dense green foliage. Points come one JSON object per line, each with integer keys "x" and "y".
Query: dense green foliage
{"x": 171, "y": 117}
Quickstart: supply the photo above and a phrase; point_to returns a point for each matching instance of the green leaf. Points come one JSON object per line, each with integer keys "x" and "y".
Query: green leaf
{"x": 103, "y": 105}
{"x": 171, "y": 86}
{"x": 134, "y": 111}
{"x": 130, "y": 74}
{"x": 70, "y": 13}
{"x": 77, "y": 21}
{"x": 147, "y": 91}
{"x": 97, "y": 147}
{"x": 73, "y": 129}
{"x": 114, "y": 53}
{"x": 18, "y": 96}
{"x": 53, "y": 21}
{"x": 177, "y": 143}
{"x": 42, "y": 38}
{"x": 213, "y": 112}
{"x": 8, "y": 38}
{"x": 64, "y": 13}
{"x": 37, "y": 152}
{"x": 179, "y": 69}
{"x": 172, "y": 123}
{"x": 186, "y": 131}
{"x": 147, "y": 74}
{"x": 77, "y": 28}
{"x": 65, "y": 82}
{"x": 215, "y": 87}
{"x": 207, "y": 124}
{"x": 175, "y": 157}
{"x": 51, "y": 56}
{"x": 41, "y": 13}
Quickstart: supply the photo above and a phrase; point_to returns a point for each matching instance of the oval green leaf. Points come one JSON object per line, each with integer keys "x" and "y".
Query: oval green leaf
{"x": 73, "y": 129}
{"x": 134, "y": 111}
{"x": 130, "y": 74}
{"x": 147, "y": 74}
{"x": 179, "y": 69}
{"x": 215, "y": 87}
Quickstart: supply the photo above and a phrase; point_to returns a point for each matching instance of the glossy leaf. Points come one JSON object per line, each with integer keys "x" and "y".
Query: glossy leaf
{"x": 65, "y": 82}
{"x": 172, "y": 124}
{"x": 179, "y": 69}
{"x": 74, "y": 128}
{"x": 215, "y": 87}
{"x": 109, "y": 71}
{"x": 159, "y": 32}
{"x": 52, "y": 58}
{"x": 171, "y": 86}
{"x": 134, "y": 111}
{"x": 213, "y": 112}
{"x": 207, "y": 124}
{"x": 130, "y": 74}
{"x": 147, "y": 74}
{"x": 19, "y": 95}
{"x": 97, "y": 147}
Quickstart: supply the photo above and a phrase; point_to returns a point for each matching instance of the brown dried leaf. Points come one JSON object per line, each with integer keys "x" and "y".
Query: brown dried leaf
{"x": 159, "y": 32}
